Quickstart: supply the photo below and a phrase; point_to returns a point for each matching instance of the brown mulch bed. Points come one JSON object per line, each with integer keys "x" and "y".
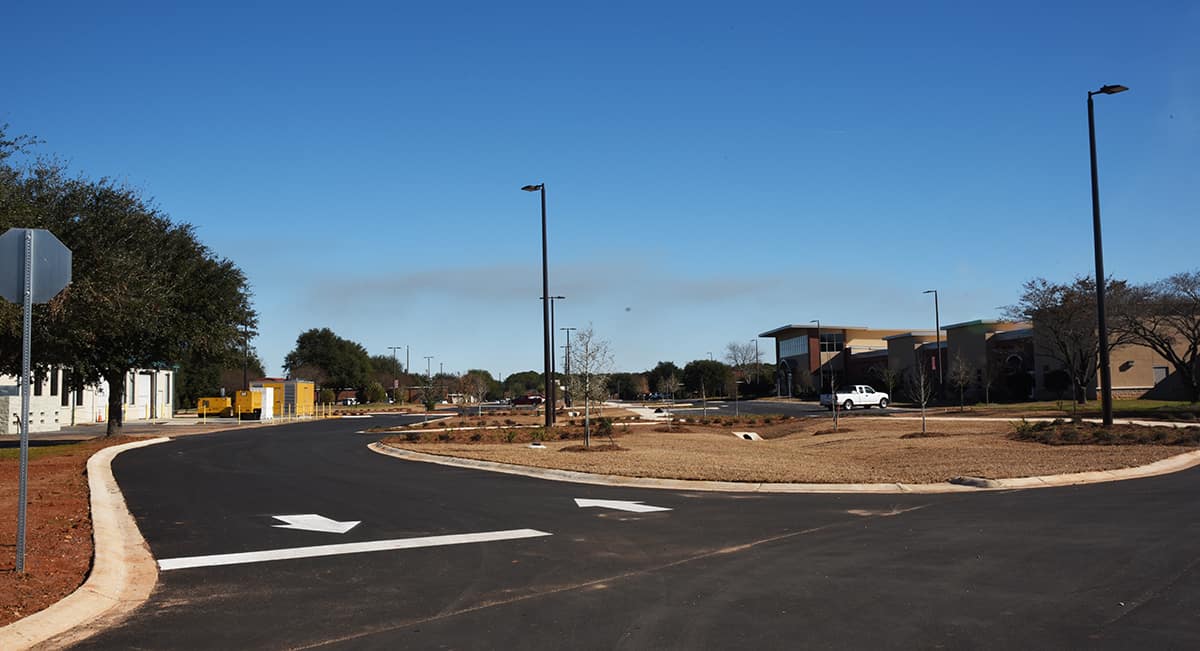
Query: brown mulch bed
{"x": 873, "y": 451}
{"x": 1062, "y": 432}
{"x": 58, "y": 536}
{"x": 607, "y": 447}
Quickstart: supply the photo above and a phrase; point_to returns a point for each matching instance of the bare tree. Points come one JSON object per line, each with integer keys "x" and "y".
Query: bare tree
{"x": 476, "y": 385}
{"x": 669, "y": 385}
{"x": 960, "y": 377}
{"x": 890, "y": 378}
{"x": 741, "y": 357}
{"x": 1165, "y": 317}
{"x": 919, "y": 385}
{"x": 1064, "y": 318}
{"x": 591, "y": 363}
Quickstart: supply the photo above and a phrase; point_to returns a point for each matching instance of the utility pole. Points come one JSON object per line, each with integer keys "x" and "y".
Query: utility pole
{"x": 395, "y": 372}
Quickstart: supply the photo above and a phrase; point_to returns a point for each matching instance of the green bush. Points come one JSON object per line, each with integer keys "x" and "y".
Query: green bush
{"x": 604, "y": 427}
{"x": 510, "y": 435}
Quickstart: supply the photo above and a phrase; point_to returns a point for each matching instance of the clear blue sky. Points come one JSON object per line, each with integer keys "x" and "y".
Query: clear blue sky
{"x": 714, "y": 169}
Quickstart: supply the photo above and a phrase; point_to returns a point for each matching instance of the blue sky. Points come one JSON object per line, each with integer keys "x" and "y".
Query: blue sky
{"x": 714, "y": 170}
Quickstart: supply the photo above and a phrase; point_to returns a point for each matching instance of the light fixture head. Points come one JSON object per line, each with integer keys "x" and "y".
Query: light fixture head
{"x": 929, "y": 291}
{"x": 532, "y": 188}
{"x": 1112, "y": 89}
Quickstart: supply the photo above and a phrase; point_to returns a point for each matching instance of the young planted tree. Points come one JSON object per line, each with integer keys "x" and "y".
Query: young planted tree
{"x": 889, "y": 377}
{"x": 919, "y": 385}
{"x": 591, "y": 362}
{"x": 960, "y": 378}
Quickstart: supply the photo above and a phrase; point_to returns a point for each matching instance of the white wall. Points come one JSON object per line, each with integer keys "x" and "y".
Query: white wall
{"x": 152, "y": 397}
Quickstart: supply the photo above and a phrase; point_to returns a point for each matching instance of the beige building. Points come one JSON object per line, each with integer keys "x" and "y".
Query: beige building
{"x": 1000, "y": 358}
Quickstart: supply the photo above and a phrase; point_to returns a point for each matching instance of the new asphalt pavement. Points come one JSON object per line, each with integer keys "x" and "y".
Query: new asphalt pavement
{"x": 1098, "y": 566}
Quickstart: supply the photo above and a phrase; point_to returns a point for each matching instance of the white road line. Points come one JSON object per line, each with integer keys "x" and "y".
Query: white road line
{"x": 345, "y": 548}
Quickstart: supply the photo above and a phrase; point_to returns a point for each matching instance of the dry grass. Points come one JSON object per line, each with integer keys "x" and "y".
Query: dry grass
{"x": 871, "y": 451}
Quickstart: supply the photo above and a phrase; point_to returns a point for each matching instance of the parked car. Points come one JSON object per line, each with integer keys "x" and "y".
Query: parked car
{"x": 857, "y": 395}
{"x": 532, "y": 399}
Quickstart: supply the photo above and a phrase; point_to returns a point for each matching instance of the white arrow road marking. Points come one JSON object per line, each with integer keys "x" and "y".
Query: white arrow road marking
{"x": 346, "y": 548}
{"x": 635, "y": 507}
{"x": 314, "y": 522}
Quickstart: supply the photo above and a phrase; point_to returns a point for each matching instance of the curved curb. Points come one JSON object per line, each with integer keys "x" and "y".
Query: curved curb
{"x": 1162, "y": 467}
{"x": 123, "y": 571}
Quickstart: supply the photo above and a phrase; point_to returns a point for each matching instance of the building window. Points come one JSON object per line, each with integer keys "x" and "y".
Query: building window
{"x": 1160, "y": 374}
{"x": 66, "y": 393}
{"x": 832, "y": 342}
{"x": 37, "y": 385}
{"x": 79, "y": 397}
{"x": 793, "y": 347}
{"x": 54, "y": 382}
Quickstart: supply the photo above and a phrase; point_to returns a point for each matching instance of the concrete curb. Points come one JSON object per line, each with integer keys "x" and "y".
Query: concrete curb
{"x": 122, "y": 576}
{"x": 1165, "y": 466}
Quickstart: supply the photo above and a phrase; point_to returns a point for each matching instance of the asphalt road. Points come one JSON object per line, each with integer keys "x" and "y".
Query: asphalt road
{"x": 1100, "y": 566}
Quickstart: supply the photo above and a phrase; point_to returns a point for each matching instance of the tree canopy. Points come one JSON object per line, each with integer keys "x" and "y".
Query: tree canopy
{"x": 331, "y": 361}
{"x": 144, "y": 293}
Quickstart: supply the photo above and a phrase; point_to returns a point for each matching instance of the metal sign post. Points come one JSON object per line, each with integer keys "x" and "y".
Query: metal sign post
{"x": 43, "y": 268}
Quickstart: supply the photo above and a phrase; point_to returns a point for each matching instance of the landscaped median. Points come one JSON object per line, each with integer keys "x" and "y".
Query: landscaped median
{"x": 864, "y": 450}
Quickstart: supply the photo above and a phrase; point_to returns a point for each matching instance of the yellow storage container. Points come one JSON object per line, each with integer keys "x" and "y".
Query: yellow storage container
{"x": 292, "y": 397}
{"x": 247, "y": 404}
{"x": 221, "y": 406}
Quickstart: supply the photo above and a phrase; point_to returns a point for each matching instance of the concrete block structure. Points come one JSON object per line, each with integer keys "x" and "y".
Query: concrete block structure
{"x": 149, "y": 395}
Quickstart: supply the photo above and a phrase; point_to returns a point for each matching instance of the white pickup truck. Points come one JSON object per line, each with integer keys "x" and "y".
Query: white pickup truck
{"x": 857, "y": 395}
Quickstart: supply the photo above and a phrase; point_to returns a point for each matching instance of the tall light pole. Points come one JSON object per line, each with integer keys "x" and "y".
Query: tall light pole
{"x": 710, "y": 357}
{"x": 395, "y": 370}
{"x": 428, "y": 387}
{"x": 1102, "y": 323}
{"x": 937, "y": 334}
{"x": 553, "y": 371}
{"x": 245, "y": 358}
{"x": 820, "y": 366}
{"x": 541, "y": 187}
{"x": 567, "y": 357}
{"x": 567, "y": 364}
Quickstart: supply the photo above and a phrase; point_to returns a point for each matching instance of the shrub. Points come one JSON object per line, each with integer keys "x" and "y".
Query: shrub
{"x": 510, "y": 435}
{"x": 412, "y": 437}
{"x": 538, "y": 434}
{"x": 604, "y": 427}
{"x": 476, "y": 437}
{"x": 444, "y": 436}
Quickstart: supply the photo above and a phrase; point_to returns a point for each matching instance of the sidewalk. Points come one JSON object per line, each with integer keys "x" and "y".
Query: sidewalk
{"x": 140, "y": 428}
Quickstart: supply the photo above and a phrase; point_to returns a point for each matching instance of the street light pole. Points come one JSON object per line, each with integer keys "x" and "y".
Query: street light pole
{"x": 820, "y": 366}
{"x": 1102, "y": 323}
{"x": 395, "y": 370}
{"x": 541, "y": 187}
{"x": 937, "y": 334}
{"x": 567, "y": 361}
{"x": 553, "y": 371}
